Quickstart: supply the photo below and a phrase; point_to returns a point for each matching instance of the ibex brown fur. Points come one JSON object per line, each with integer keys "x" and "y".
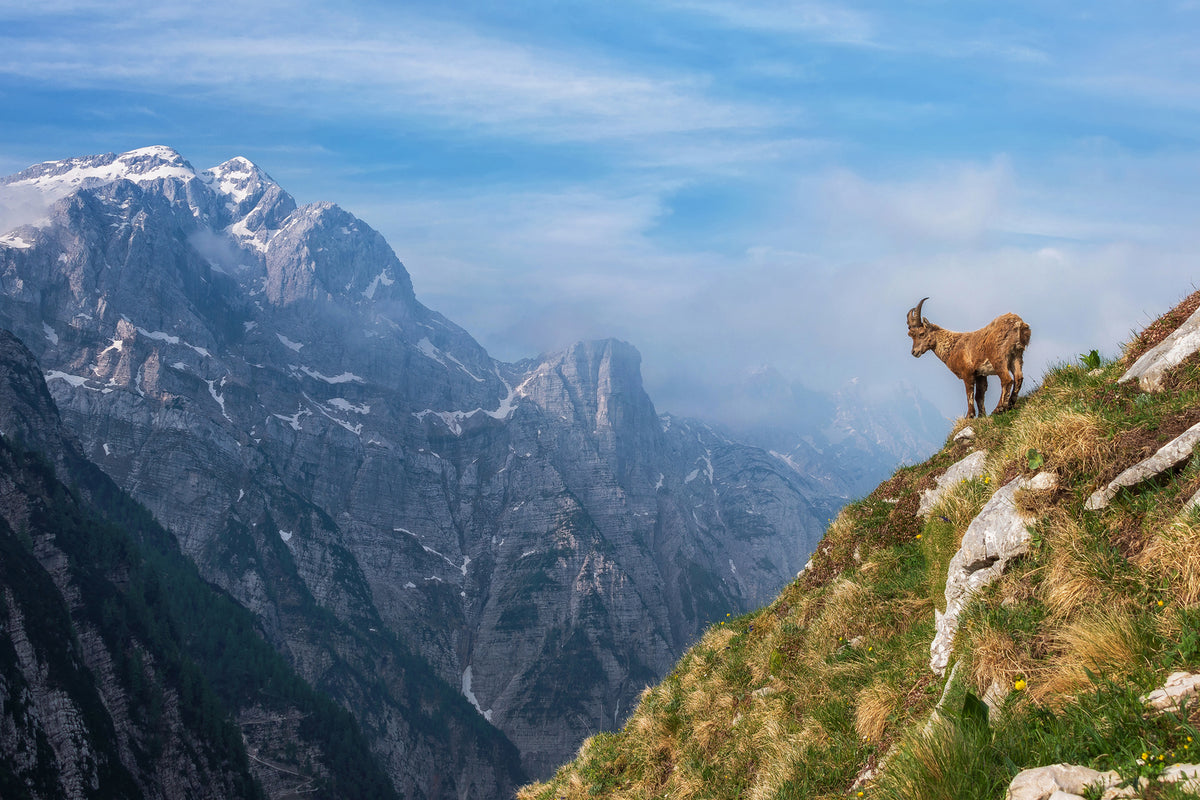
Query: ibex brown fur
{"x": 995, "y": 349}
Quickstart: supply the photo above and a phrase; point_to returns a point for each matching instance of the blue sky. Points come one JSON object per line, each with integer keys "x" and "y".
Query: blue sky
{"x": 723, "y": 184}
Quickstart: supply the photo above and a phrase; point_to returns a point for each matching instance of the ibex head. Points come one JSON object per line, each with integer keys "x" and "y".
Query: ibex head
{"x": 919, "y": 330}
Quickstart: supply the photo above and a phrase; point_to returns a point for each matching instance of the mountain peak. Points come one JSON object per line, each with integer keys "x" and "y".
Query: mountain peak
{"x": 240, "y": 180}
{"x": 324, "y": 251}
{"x": 143, "y": 165}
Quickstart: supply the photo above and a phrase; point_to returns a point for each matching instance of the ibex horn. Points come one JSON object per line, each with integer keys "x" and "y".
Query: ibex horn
{"x": 914, "y": 314}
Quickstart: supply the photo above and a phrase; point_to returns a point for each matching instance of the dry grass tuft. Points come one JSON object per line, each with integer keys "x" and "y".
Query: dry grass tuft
{"x": 1070, "y": 584}
{"x": 842, "y": 615}
{"x": 778, "y": 768}
{"x": 1173, "y": 556}
{"x": 1071, "y": 442}
{"x": 995, "y": 658}
{"x": 962, "y": 504}
{"x": 911, "y": 609}
{"x": 881, "y": 562}
{"x": 1107, "y": 644}
{"x": 875, "y": 705}
{"x": 927, "y": 762}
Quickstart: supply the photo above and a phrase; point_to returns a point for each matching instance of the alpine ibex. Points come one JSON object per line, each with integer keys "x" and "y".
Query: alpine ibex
{"x": 995, "y": 349}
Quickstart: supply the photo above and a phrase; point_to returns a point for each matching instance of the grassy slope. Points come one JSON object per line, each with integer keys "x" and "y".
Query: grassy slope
{"x": 796, "y": 699}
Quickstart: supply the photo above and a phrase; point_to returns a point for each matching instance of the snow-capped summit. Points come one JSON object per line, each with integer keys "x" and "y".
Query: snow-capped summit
{"x": 240, "y": 180}
{"x": 257, "y": 206}
{"x": 145, "y": 164}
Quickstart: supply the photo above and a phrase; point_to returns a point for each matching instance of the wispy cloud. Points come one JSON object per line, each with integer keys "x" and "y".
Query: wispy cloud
{"x": 412, "y": 68}
{"x": 822, "y": 21}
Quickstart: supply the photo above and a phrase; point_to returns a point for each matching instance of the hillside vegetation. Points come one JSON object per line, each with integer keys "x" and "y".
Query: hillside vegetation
{"x": 831, "y": 682}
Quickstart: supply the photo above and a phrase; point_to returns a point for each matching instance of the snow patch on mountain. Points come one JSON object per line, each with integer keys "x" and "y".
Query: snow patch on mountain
{"x": 169, "y": 338}
{"x": 381, "y": 279}
{"x": 212, "y": 390}
{"x": 430, "y": 350}
{"x": 345, "y": 377}
{"x": 74, "y": 380}
{"x": 342, "y": 404}
{"x": 467, "y": 693}
{"x": 237, "y": 179}
{"x": 146, "y": 164}
{"x": 454, "y": 419}
{"x": 294, "y": 420}
{"x": 15, "y": 241}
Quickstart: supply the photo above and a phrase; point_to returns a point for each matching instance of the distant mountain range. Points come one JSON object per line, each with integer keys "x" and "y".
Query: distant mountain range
{"x": 847, "y": 440}
{"x": 405, "y": 517}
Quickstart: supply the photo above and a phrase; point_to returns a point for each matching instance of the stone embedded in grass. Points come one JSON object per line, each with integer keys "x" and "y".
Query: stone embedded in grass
{"x": 1179, "y": 688}
{"x": 1167, "y": 456}
{"x": 965, "y": 435}
{"x": 997, "y": 535}
{"x": 1183, "y": 772}
{"x": 1042, "y": 783}
{"x": 966, "y": 469}
{"x": 1068, "y": 782}
{"x": 1150, "y": 369}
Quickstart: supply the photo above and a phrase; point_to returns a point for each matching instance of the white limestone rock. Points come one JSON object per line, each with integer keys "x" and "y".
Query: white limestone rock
{"x": 1189, "y": 774}
{"x": 997, "y": 535}
{"x": 966, "y": 469}
{"x": 1057, "y": 781}
{"x": 1167, "y": 456}
{"x": 1150, "y": 369}
{"x": 1067, "y": 782}
{"x": 1179, "y": 688}
{"x": 1193, "y": 502}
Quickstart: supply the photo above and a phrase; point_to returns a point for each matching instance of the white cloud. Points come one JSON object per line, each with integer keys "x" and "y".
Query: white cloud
{"x": 956, "y": 203}
{"x": 409, "y": 67}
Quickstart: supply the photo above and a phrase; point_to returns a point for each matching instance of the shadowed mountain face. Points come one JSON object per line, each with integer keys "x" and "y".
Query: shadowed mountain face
{"x": 123, "y": 673}
{"x": 330, "y": 451}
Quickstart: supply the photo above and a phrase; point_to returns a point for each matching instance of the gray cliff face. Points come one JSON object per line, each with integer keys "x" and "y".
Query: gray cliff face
{"x": 89, "y": 706}
{"x": 261, "y": 376}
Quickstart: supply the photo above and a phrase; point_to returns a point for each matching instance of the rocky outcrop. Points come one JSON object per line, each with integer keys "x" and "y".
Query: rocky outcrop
{"x": 1178, "y": 690}
{"x": 997, "y": 535}
{"x": 968, "y": 468}
{"x": 330, "y": 451}
{"x": 1064, "y": 782}
{"x": 1169, "y": 455}
{"x": 1153, "y": 365}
